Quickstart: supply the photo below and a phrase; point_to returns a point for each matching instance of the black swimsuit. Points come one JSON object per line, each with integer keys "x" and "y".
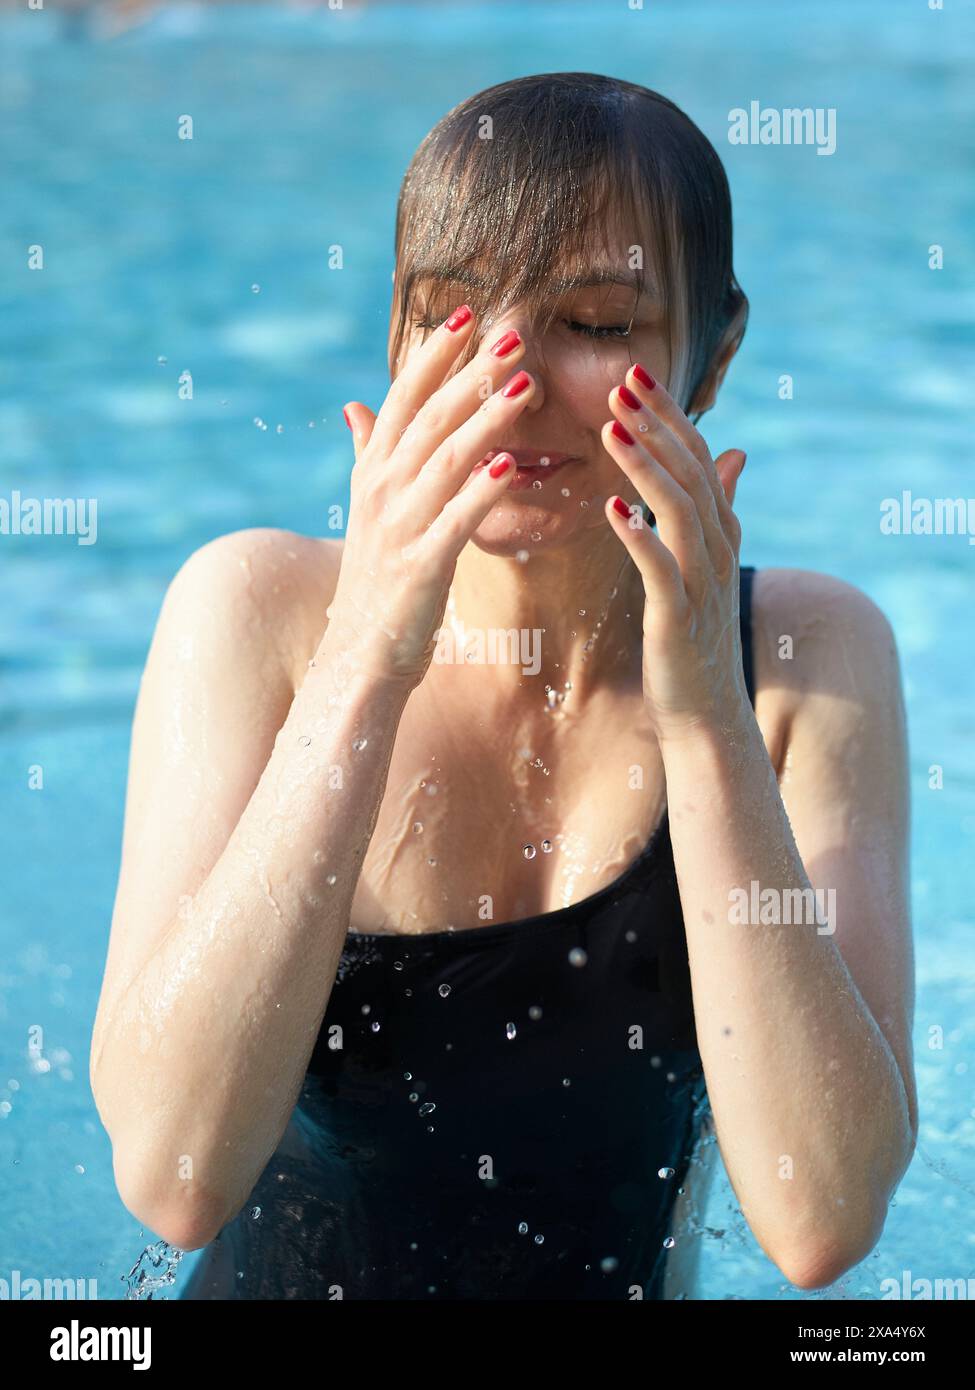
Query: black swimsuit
{"x": 499, "y": 1112}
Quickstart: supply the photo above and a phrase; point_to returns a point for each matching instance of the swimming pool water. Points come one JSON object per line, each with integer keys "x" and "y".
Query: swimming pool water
{"x": 303, "y": 123}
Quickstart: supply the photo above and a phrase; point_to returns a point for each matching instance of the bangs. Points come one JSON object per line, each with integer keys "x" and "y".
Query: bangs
{"x": 546, "y": 184}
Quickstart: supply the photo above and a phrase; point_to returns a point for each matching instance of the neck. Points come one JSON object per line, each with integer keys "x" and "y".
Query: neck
{"x": 571, "y": 617}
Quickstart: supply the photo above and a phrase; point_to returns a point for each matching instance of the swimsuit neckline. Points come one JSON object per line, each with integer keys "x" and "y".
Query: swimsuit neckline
{"x": 543, "y": 920}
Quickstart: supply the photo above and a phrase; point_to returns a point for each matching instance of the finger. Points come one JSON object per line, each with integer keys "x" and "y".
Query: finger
{"x": 677, "y": 516}
{"x": 451, "y": 464}
{"x": 360, "y": 420}
{"x": 422, "y": 373}
{"x": 659, "y": 441}
{"x": 456, "y": 401}
{"x": 658, "y": 567}
{"x": 730, "y": 466}
{"x": 462, "y": 515}
{"x": 656, "y": 398}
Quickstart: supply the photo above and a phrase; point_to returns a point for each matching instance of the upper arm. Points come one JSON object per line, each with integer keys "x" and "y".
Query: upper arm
{"x": 217, "y": 686}
{"x": 845, "y": 782}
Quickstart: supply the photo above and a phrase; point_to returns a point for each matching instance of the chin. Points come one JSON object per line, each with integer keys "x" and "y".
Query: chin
{"x": 513, "y": 527}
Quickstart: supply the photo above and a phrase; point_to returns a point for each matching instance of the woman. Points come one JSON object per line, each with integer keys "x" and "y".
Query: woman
{"x": 429, "y": 955}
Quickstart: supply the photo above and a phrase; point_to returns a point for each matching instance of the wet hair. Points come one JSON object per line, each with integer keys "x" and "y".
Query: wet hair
{"x": 521, "y": 176}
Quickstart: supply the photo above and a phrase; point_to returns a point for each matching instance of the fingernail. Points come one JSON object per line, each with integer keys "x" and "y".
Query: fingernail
{"x": 621, "y": 434}
{"x": 346, "y": 415}
{"x": 621, "y": 507}
{"x": 506, "y": 343}
{"x": 644, "y": 377}
{"x": 500, "y": 465}
{"x": 458, "y": 318}
{"x": 517, "y": 384}
{"x": 629, "y": 400}
{"x": 744, "y": 459}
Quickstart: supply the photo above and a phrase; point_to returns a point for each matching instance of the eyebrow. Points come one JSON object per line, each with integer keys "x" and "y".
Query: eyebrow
{"x": 584, "y": 280}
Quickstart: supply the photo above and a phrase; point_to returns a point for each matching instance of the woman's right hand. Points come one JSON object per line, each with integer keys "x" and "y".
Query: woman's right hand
{"x": 410, "y": 513}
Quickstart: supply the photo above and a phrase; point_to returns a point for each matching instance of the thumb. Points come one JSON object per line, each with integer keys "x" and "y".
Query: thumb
{"x": 730, "y": 465}
{"x": 360, "y": 420}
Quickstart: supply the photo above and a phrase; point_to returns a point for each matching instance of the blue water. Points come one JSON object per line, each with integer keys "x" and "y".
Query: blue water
{"x": 303, "y": 124}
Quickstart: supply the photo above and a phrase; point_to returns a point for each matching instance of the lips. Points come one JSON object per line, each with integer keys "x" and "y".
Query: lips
{"x": 533, "y": 465}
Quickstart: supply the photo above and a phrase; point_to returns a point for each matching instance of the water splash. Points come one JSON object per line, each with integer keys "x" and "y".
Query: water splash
{"x": 155, "y": 1269}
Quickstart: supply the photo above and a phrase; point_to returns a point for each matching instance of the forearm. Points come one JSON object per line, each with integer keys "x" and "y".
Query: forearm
{"x": 199, "y": 1062}
{"x": 809, "y": 1104}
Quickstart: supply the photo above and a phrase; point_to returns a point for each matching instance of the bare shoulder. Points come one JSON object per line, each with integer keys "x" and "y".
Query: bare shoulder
{"x": 268, "y": 587}
{"x": 821, "y": 646}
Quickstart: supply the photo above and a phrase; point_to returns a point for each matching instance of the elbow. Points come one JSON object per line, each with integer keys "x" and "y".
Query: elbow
{"x": 821, "y": 1260}
{"x": 175, "y": 1211}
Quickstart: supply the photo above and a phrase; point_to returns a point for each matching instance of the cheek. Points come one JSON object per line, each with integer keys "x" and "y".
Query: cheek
{"x": 586, "y": 375}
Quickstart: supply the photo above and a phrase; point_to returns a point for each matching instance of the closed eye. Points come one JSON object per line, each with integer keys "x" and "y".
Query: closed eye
{"x": 591, "y": 330}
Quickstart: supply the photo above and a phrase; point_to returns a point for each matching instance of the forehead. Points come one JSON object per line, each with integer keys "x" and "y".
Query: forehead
{"x": 564, "y": 280}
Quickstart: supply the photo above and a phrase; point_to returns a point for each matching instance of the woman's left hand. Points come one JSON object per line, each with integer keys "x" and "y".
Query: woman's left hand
{"x": 692, "y": 665}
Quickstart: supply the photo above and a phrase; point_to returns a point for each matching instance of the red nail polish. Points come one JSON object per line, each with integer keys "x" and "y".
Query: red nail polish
{"x": 644, "y": 377}
{"x": 345, "y": 413}
{"x": 500, "y": 465}
{"x": 621, "y": 507}
{"x": 506, "y": 343}
{"x": 621, "y": 434}
{"x": 629, "y": 400}
{"x": 516, "y": 385}
{"x": 458, "y": 318}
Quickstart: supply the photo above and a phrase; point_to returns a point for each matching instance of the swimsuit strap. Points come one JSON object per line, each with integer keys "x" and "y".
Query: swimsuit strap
{"x": 746, "y": 575}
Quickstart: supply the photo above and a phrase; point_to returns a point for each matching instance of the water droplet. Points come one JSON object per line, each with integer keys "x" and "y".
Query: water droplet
{"x": 255, "y": 1213}
{"x": 162, "y": 361}
{"x": 537, "y": 483}
{"x": 427, "y": 1108}
{"x": 255, "y": 289}
{"x": 417, "y": 827}
{"x": 583, "y": 503}
{"x": 432, "y": 863}
{"x": 413, "y": 1096}
{"x": 528, "y": 851}
{"x": 582, "y": 612}
{"x": 536, "y": 535}
{"x": 522, "y": 556}
{"x": 375, "y": 1027}
{"x": 669, "y": 1243}
{"x": 79, "y": 1167}
{"x": 279, "y": 429}
{"x": 407, "y": 1076}
{"x": 443, "y": 991}
{"x": 546, "y": 846}
{"x": 330, "y": 880}
{"x": 366, "y": 1009}
{"x": 398, "y": 965}
{"x": 539, "y": 1240}
{"x": 304, "y": 740}
{"x": 359, "y": 743}
{"x": 535, "y": 1012}
{"x": 665, "y": 1172}
{"x": 577, "y": 956}
{"x": 631, "y": 936}
{"x": 566, "y": 492}
{"x": 523, "y": 1228}
{"x": 566, "y": 1081}
{"x": 510, "y": 1031}
{"x": 609, "y": 1264}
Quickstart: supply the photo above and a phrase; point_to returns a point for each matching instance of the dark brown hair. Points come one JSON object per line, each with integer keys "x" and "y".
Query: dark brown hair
{"x": 523, "y": 174}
